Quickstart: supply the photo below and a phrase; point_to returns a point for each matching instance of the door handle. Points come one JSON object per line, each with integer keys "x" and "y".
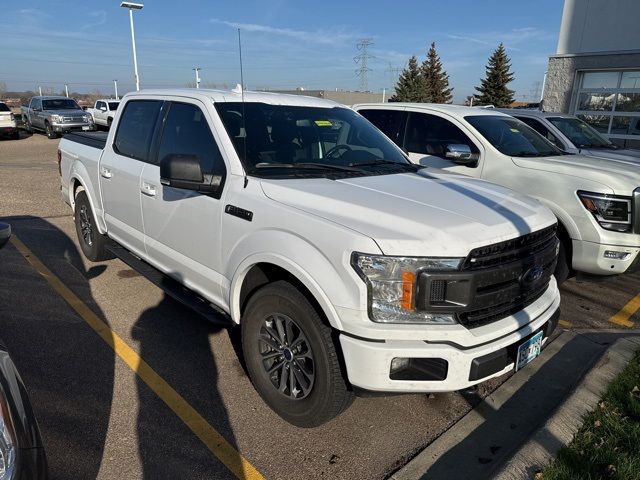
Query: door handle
{"x": 148, "y": 189}
{"x": 106, "y": 172}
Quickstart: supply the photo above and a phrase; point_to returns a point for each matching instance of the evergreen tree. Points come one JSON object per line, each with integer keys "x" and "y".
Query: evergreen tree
{"x": 436, "y": 80}
{"x": 493, "y": 88}
{"x": 410, "y": 86}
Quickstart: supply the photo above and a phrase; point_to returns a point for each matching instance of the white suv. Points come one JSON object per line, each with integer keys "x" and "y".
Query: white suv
{"x": 596, "y": 200}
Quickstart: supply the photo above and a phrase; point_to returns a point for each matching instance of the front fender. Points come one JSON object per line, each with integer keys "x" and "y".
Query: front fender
{"x": 327, "y": 280}
{"x": 563, "y": 217}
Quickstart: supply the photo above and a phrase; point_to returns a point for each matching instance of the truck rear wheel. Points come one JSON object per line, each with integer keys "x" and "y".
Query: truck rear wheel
{"x": 291, "y": 358}
{"x": 92, "y": 242}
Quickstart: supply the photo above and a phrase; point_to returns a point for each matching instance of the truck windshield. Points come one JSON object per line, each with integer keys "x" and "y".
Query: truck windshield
{"x": 512, "y": 137}
{"x": 580, "y": 133}
{"x": 4, "y": 108}
{"x": 60, "y": 104}
{"x": 284, "y": 140}
{"x": 113, "y": 105}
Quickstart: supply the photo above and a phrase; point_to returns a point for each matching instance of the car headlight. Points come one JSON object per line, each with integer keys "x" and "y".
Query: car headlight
{"x": 87, "y": 118}
{"x": 612, "y": 212}
{"x": 392, "y": 282}
{"x": 56, "y": 118}
{"x": 7, "y": 441}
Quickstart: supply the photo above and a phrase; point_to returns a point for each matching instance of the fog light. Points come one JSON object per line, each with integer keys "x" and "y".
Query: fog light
{"x": 398, "y": 364}
{"x": 612, "y": 254}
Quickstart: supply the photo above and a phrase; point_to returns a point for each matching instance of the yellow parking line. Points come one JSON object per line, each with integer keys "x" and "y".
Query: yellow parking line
{"x": 565, "y": 324}
{"x": 622, "y": 317}
{"x": 223, "y": 450}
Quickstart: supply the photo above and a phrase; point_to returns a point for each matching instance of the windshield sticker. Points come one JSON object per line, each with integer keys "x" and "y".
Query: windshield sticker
{"x": 514, "y": 130}
{"x": 323, "y": 123}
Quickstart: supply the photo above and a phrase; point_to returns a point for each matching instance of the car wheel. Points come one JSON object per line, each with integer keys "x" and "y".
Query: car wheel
{"x": 92, "y": 242}
{"x": 291, "y": 357}
{"x": 563, "y": 270}
{"x": 28, "y": 127}
{"x": 16, "y": 135}
{"x": 49, "y": 131}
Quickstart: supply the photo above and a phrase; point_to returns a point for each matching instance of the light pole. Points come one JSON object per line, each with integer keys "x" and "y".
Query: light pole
{"x": 66, "y": 90}
{"x": 115, "y": 87}
{"x": 133, "y": 6}
{"x": 197, "y": 69}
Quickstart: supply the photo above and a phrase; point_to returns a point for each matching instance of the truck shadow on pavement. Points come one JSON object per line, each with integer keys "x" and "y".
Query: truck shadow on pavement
{"x": 175, "y": 341}
{"x": 68, "y": 370}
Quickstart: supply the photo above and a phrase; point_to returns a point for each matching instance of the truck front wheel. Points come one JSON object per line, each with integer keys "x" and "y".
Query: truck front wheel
{"x": 291, "y": 357}
{"x": 92, "y": 242}
{"x": 49, "y": 131}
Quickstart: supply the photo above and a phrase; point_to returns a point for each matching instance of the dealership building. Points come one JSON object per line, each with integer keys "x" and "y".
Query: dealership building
{"x": 595, "y": 73}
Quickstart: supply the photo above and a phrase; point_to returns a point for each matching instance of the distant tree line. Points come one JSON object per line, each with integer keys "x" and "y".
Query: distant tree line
{"x": 429, "y": 82}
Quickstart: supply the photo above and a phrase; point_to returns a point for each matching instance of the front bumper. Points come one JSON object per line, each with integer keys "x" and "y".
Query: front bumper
{"x": 72, "y": 127}
{"x": 589, "y": 257}
{"x": 368, "y": 363}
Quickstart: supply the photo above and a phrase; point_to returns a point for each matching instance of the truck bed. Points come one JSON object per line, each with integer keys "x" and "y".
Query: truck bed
{"x": 91, "y": 139}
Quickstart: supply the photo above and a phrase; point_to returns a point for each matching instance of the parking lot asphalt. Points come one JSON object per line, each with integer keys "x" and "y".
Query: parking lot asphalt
{"x": 104, "y": 415}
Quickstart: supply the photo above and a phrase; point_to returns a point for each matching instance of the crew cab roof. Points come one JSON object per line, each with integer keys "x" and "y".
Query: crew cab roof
{"x": 533, "y": 113}
{"x": 218, "y": 96}
{"x": 454, "y": 110}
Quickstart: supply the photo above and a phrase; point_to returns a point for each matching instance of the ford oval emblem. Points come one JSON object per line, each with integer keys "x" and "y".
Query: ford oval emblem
{"x": 532, "y": 275}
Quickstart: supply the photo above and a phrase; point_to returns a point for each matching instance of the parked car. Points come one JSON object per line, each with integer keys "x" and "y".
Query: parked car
{"x": 300, "y": 221}
{"x": 573, "y": 135}
{"x": 104, "y": 111}
{"x": 8, "y": 126}
{"x": 22, "y": 455}
{"x": 56, "y": 115}
{"x": 596, "y": 200}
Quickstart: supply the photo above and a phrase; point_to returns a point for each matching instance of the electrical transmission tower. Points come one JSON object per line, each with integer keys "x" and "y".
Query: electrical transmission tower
{"x": 394, "y": 73}
{"x": 362, "y": 59}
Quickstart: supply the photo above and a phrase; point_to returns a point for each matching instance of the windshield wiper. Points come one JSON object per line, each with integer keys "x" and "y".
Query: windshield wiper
{"x": 532, "y": 154}
{"x": 308, "y": 166}
{"x": 410, "y": 166}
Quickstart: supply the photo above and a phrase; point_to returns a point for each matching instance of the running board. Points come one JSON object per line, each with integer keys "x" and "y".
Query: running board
{"x": 172, "y": 287}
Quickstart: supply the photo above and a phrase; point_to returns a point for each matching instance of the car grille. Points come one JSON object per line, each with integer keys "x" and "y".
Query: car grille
{"x": 501, "y": 274}
{"x": 73, "y": 119}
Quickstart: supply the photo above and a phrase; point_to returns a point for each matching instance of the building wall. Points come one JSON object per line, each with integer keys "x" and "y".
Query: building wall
{"x": 561, "y": 76}
{"x": 590, "y": 26}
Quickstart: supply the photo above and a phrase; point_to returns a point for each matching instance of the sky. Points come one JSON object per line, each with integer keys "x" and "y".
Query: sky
{"x": 286, "y": 44}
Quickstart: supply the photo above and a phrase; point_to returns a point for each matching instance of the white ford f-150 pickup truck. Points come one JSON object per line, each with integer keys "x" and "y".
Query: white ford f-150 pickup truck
{"x": 596, "y": 200}
{"x": 345, "y": 266}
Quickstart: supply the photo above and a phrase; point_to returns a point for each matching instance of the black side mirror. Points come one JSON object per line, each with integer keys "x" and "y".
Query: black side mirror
{"x": 5, "y": 233}
{"x": 184, "y": 171}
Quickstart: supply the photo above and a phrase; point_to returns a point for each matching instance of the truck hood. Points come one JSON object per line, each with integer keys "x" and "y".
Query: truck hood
{"x": 428, "y": 213}
{"x": 620, "y": 175}
{"x": 620, "y": 154}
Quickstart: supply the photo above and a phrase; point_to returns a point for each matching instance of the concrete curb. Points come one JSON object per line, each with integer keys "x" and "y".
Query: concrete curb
{"x": 560, "y": 428}
{"x": 495, "y": 438}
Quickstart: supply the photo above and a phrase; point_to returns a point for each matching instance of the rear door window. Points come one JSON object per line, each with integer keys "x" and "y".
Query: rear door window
{"x": 387, "y": 121}
{"x": 136, "y": 127}
{"x": 538, "y": 126}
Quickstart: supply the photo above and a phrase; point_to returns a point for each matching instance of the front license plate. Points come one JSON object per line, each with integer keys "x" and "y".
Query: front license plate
{"x": 86, "y": 128}
{"x": 529, "y": 350}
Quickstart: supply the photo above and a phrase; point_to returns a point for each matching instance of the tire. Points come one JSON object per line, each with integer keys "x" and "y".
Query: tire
{"x": 16, "y": 136}
{"x": 326, "y": 394}
{"x": 563, "y": 270}
{"x": 48, "y": 130}
{"x": 92, "y": 242}
{"x": 28, "y": 127}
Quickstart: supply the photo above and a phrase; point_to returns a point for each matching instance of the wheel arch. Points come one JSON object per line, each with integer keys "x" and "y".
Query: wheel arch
{"x": 78, "y": 184}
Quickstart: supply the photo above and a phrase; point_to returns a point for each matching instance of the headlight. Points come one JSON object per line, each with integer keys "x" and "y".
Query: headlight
{"x": 612, "y": 212}
{"x": 56, "y": 118}
{"x": 7, "y": 441}
{"x": 391, "y": 283}
{"x": 87, "y": 118}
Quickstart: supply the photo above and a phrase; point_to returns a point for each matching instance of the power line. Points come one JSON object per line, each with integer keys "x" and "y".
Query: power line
{"x": 362, "y": 59}
{"x": 394, "y": 73}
